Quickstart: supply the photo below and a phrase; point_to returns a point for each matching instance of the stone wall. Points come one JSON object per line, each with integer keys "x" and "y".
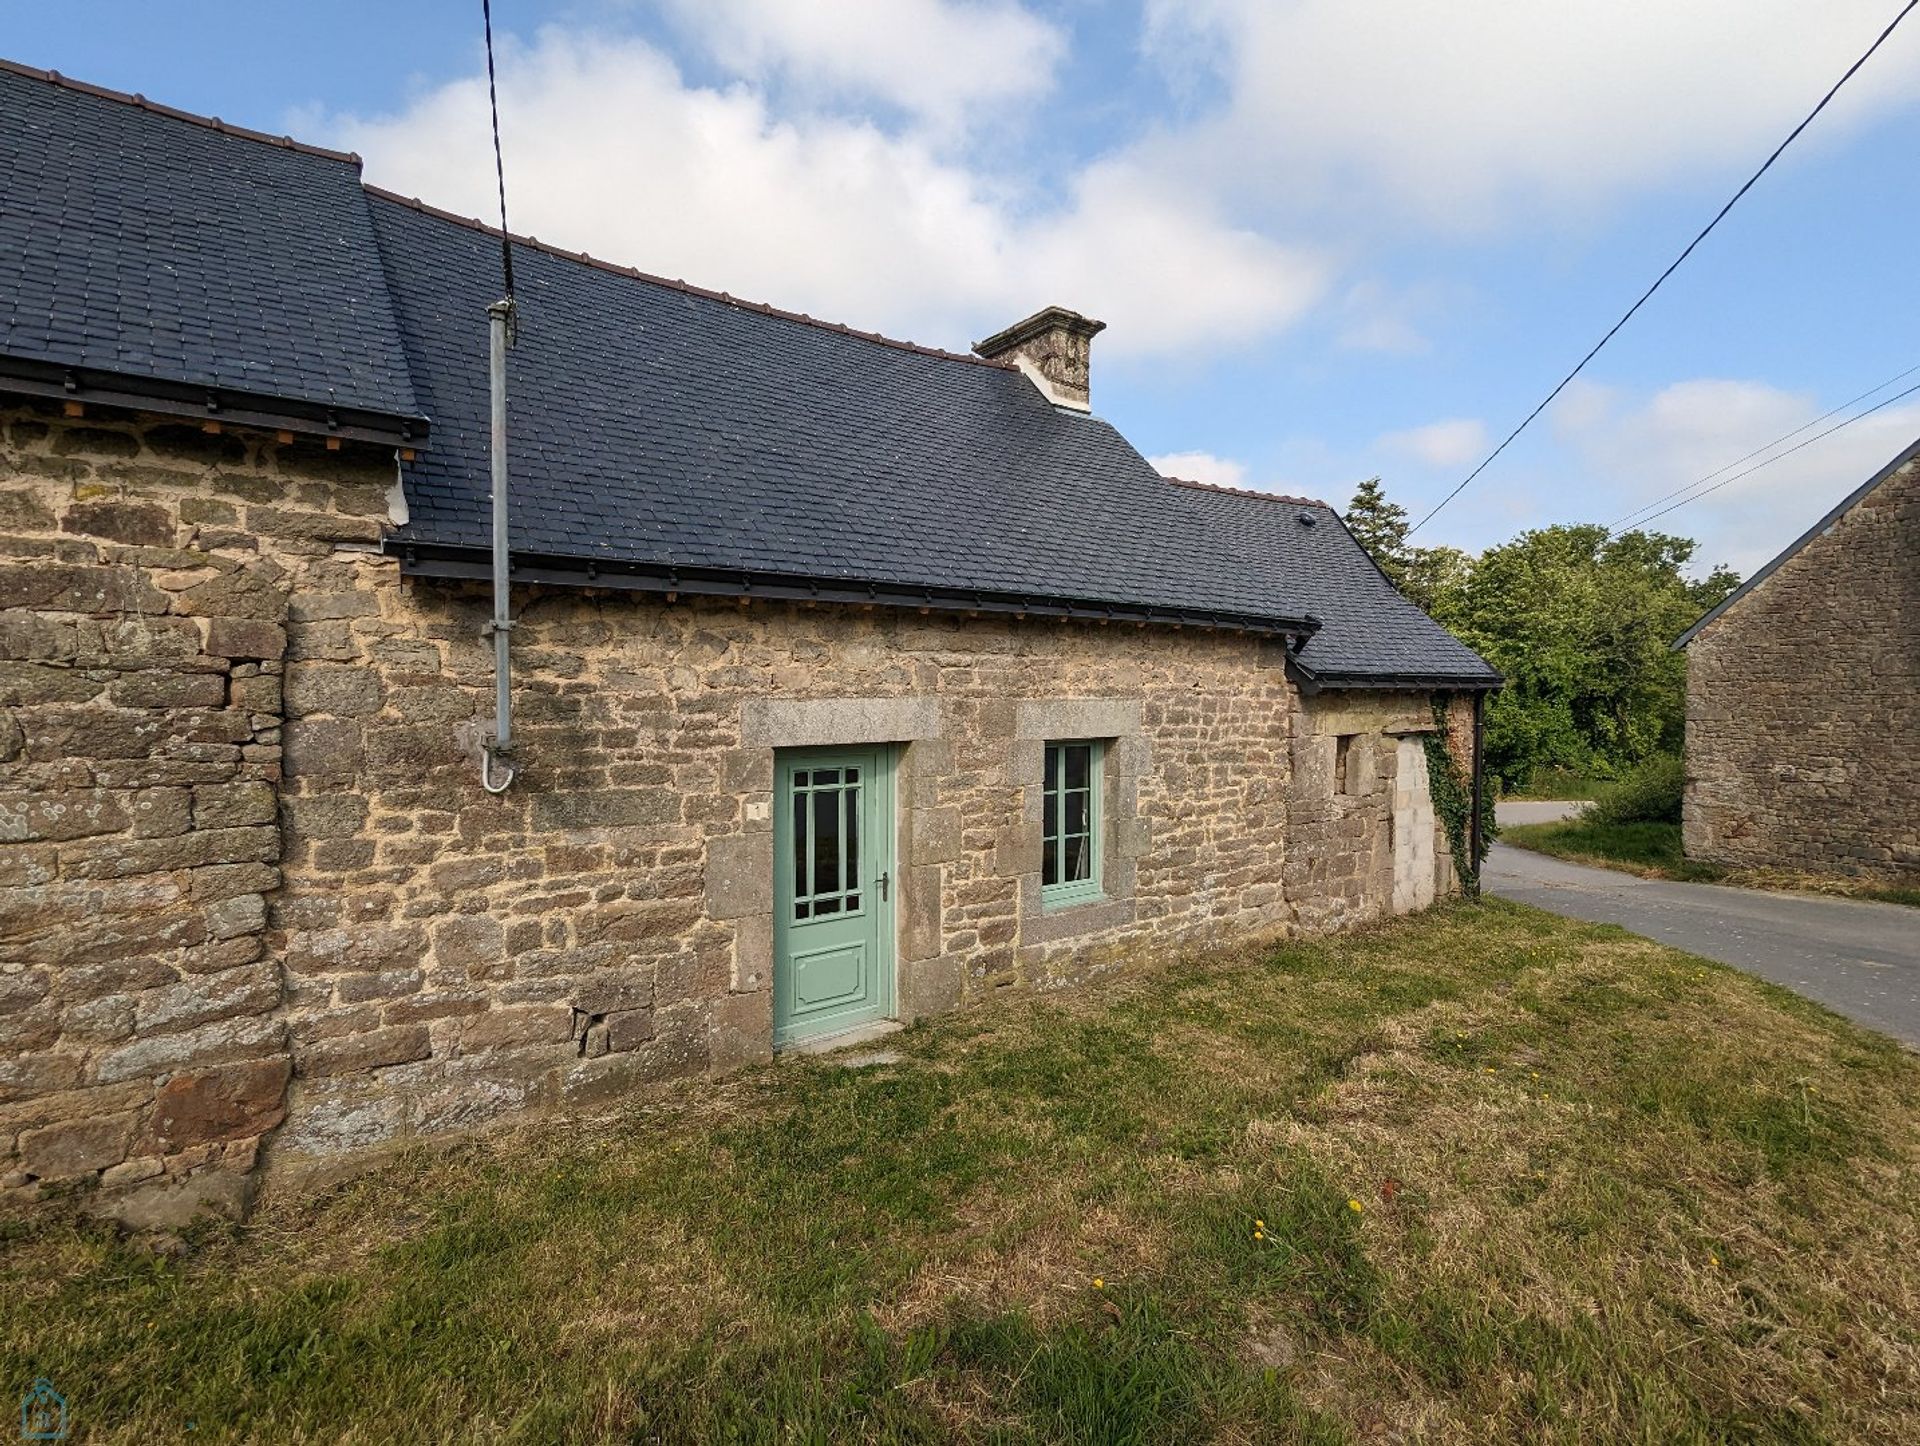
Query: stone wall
{"x": 1803, "y": 704}
{"x": 405, "y": 955}
{"x": 145, "y": 575}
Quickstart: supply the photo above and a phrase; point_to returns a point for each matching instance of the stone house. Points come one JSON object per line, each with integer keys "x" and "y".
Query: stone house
{"x": 851, "y": 680}
{"x": 1803, "y": 697}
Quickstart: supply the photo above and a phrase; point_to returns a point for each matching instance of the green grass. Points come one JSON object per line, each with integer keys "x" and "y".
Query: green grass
{"x": 1653, "y": 851}
{"x": 1604, "y": 1191}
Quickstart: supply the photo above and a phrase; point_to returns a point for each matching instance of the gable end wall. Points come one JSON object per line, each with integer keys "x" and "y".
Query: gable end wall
{"x": 1803, "y": 704}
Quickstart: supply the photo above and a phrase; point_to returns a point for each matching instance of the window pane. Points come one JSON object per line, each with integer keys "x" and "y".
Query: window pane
{"x": 1049, "y": 862}
{"x": 1079, "y": 759}
{"x": 853, "y": 903}
{"x": 1050, "y": 814}
{"x": 827, "y": 906}
{"x": 853, "y": 836}
{"x": 826, "y": 842}
{"x": 1079, "y": 862}
{"x": 1053, "y": 765}
{"x": 803, "y": 910}
{"x": 1077, "y": 812}
{"x": 853, "y": 775}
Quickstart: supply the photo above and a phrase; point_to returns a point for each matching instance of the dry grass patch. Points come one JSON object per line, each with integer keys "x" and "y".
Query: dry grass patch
{"x": 1482, "y": 1176}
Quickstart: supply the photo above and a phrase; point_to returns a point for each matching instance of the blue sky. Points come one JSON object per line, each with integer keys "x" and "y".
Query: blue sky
{"x": 1331, "y": 238}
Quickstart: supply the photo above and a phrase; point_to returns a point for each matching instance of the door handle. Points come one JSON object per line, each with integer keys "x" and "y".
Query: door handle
{"x": 883, "y": 888}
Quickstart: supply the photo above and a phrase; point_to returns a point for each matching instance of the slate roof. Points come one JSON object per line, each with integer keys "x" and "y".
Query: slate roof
{"x": 661, "y": 436}
{"x": 149, "y": 254}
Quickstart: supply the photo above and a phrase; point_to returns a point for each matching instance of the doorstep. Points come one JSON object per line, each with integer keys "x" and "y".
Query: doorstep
{"x": 845, "y": 1039}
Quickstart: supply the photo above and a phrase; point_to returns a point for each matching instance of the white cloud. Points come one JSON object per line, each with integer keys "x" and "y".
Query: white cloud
{"x": 1465, "y": 113}
{"x": 610, "y": 150}
{"x": 1201, "y": 467}
{"x": 1639, "y": 450}
{"x": 1452, "y": 443}
{"x": 938, "y": 60}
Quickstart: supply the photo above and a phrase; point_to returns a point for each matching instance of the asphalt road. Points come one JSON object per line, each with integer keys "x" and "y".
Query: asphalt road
{"x": 1860, "y": 959}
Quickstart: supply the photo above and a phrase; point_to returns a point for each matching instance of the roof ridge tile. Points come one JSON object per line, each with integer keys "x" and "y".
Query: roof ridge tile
{"x": 1248, "y": 492}
{"x": 205, "y": 122}
{"x": 688, "y": 288}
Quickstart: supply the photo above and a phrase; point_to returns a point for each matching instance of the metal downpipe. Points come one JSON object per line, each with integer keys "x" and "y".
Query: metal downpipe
{"x": 500, "y": 318}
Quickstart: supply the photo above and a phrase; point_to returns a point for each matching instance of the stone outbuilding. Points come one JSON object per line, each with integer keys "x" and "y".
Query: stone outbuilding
{"x": 851, "y": 680}
{"x": 1803, "y": 697}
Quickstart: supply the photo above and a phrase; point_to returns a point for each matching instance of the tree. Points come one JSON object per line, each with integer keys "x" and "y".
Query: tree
{"x": 1582, "y": 625}
{"x": 1424, "y": 574}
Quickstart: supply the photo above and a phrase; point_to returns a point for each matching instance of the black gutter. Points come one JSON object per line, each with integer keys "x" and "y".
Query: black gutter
{"x": 473, "y": 563}
{"x": 1310, "y": 682}
{"x": 210, "y": 404}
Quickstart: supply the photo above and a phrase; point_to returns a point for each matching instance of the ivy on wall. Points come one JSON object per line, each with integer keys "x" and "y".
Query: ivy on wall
{"x": 1451, "y": 789}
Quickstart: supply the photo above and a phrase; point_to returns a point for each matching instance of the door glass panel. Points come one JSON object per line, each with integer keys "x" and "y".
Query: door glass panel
{"x": 852, "y": 836}
{"x": 800, "y": 889}
{"x": 826, "y": 841}
{"x": 826, "y": 806}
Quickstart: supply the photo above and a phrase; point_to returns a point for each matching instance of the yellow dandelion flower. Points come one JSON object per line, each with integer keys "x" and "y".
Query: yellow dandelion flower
{"x": 1712, "y": 1259}
{"x": 1355, "y": 1206}
{"x": 1099, "y": 1284}
{"x": 1259, "y": 1235}
{"x": 1259, "y": 1225}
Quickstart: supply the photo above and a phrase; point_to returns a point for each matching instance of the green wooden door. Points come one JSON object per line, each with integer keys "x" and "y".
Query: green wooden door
{"x": 833, "y": 892}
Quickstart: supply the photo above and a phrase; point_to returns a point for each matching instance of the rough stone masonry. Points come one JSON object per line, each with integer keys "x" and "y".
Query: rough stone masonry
{"x": 1803, "y": 703}
{"x": 254, "y": 903}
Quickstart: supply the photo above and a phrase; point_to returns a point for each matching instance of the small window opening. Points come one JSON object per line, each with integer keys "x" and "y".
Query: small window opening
{"x": 1346, "y": 767}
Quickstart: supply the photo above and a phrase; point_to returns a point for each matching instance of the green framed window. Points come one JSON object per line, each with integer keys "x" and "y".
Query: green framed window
{"x": 1070, "y": 823}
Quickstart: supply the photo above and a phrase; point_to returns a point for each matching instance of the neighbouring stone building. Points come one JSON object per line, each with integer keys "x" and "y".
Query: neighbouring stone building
{"x": 1803, "y": 697}
{"x": 851, "y": 681}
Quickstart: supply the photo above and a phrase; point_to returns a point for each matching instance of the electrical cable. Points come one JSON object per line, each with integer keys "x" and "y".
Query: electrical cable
{"x": 1836, "y": 427}
{"x": 1614, "y": 526}
{"x": 1645, "y": 296}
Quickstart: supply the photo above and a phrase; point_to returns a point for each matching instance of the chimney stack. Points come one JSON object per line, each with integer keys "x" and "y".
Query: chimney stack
{"x": 1052, "y": 347}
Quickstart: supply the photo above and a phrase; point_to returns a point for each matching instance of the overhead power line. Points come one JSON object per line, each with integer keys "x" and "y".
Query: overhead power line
{"x": 1647, "y": 295}
{"x": 1614, "y": 526}
{"x": 1778, "y": 456}
{"x": 500, "y": 166}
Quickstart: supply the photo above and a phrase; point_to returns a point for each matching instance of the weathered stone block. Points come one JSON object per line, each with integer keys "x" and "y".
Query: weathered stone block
{"x": 160, "y": 689}
{"x": 628, "y": 1028}
{"x": 76, "y": 1147}
{"x": 252, "y": 989}
{"x": 146, "y": 523}
{"x": 516, "y": 1025}
{"x": 337, "y": 689}
{"x": 474, "y": 944}
{"x": 245, "y": 638}
{"x": 356, "y": 1053}
{"x": 742, "y": 1032}
{"x": 324, "y": 748}
{"x": 739, "y": 876}
{"x": 232, "y": 1103}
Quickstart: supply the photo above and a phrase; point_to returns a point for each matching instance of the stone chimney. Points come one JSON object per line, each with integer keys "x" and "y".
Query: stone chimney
{"x": 1053, "y": 348}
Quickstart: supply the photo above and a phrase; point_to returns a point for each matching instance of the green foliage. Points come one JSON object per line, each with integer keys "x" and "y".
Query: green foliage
{"x": 1650, "y": 793}
{"x": 1582, "y": 625}
{"x": 1452, "y": 792}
